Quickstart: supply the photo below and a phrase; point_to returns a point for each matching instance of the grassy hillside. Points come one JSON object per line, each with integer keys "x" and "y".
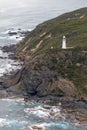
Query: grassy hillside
{"x": 52, "y": 70}
{"x": 49, "y": 34}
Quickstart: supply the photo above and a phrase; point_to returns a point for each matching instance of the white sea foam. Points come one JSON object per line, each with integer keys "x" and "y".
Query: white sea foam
{"x": 43, "y": 112}
{"x": 2, "y": 71}
{"x": 13, "y": 37}
{"x": 13, "y": 99}
{"x": 7, "y": 65}
{"x": 19, "y": 119}
{"x": 6, "y": 123}
{"x": 2, "y": 54}
{"x": 39, "y": 111}
{"x": 15, "y": 34}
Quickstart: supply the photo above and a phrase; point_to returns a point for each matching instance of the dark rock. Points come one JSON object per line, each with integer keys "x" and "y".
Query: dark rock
{"x": 11, "y": 33}
{"x": 19, "y": 29}
{"x": 11, "y": 48}
{"x": 3, "y": 57}
{"x": 3, "y": 94}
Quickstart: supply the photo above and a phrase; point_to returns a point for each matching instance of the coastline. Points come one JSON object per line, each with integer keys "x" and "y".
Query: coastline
{"x": 73, "y": 107}
{"x": 42, "y": 81}
{"x": 70, "y": 110}
{"x": 5, "y": 79}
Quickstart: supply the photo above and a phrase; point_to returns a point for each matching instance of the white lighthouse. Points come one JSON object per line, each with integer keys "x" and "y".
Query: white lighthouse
{"x": 64, "y": 42}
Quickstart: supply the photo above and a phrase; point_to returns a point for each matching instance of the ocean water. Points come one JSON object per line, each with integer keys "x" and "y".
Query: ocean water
{"x": 26, "y": 14}
{"x": 17, "y": 115}
{"x": 7, "y": 65}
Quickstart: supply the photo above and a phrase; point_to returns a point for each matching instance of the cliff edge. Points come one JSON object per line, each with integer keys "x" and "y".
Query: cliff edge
{"x": 49, "y": 71}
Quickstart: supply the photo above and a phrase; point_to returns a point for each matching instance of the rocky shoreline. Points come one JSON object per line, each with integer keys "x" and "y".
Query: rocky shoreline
{"x": 74, "y": 112}
{"x": 49, "y": 74}
{"x": 76, "y": 109}
{"x": 5, "y": 80}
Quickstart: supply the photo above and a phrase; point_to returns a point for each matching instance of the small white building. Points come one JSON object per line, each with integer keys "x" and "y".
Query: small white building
{"x": 64, "y": 42}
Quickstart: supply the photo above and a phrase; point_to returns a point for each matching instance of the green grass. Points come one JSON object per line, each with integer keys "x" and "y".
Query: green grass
{"x": 75, "y": 31}
{"x": 76, "y": 74}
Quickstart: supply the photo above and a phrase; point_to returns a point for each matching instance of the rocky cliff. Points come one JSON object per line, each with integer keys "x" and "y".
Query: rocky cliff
{"x": 61, "y": 73}
{"x": 49, "y": 71}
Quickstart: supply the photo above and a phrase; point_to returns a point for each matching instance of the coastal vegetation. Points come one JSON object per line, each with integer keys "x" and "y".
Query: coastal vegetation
{"x": 49, "y": 70}
{"x": 49, "y": 34}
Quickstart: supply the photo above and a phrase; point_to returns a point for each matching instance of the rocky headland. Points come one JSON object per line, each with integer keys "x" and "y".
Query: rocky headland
{"x": 49, "y": 73}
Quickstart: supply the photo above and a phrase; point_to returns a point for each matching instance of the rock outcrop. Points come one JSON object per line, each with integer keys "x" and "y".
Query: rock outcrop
{"x": 48, "y": 70}
{"x": 56, "y": 73}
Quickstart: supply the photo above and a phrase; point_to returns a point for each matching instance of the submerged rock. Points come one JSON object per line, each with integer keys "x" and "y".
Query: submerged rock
{"x": 11, "y": 33}
{"x": 37, "y": 128}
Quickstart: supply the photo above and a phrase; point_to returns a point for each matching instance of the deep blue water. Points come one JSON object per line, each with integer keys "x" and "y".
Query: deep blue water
{"x": 17, "y": 115}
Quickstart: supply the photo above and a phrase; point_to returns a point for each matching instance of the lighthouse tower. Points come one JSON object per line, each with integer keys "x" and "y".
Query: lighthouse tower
{"x": 64, "y": 42}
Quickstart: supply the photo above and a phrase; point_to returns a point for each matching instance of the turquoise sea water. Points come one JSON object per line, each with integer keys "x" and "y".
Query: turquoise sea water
{"x": 17, "y": 115}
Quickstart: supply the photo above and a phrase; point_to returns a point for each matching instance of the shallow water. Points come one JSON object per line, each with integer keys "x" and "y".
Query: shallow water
{"x": 17, "y": 115}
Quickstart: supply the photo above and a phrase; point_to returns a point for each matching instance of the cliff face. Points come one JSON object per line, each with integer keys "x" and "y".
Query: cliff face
{"x": 48, "y": 70}
{"x": 56, "y": 73}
